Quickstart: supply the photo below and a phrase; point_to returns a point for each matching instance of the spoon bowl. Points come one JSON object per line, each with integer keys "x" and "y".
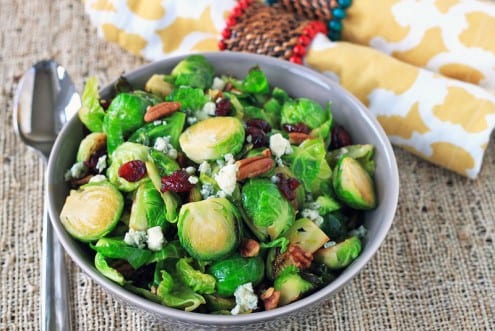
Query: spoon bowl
{"x": 46, "y": 99}
{"x": 46, "y": 87}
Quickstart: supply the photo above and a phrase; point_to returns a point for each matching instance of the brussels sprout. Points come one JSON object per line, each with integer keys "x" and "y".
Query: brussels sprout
{"x": 209, "y": 229}
{"x": 194, "y": 71}
{"x": 236, "y": 270}
{"x": 164, "y": 164}
{"x": 107, "y": 271}
{"x": 124, "y": 153}
{"x": 308, "y": 163}
{"x": 340, "y": 255}
{"x": 195, "y": 279}
{"x": 171, "y": 126}
{"x": 272, "y": 109}
{"x": 212, "y": 138}
{"x": 88, "y": 224}
{"x": 189, "y": 98}
{"x": 91, "y": 144}
{"x": 361, "y": 153}
{"x": 255, "y": 82}
{"x": 353, "y": 185}
{"x": 307, "y": 235}
{"x": 91, "y": 113}
{"x": 291, "y": 286}
{"x": 269, "y": 214}
{"x": 323, "y": 132}
{"x": 175, "y": 294}
{"x": 124, "y": 115}
{"x": 148, "y": 208}
{"x": 326, "y": 204}
{"x": 216, "y": 304}
{"x": 280, "y": 95}
{"x": 156, "y": 84}
{"x": 304, "y": 111}
{"x": 334, "y": 225}
{"x": 118, "y": 249}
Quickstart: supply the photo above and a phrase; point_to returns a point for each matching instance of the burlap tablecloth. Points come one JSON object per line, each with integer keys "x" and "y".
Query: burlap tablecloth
{"x": 435, "y": 270}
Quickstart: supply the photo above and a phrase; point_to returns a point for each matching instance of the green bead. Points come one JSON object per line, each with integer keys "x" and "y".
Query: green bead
{"x": 338, "y": 13}
{"x": 344, "y": 3}
{"x": 334, "y": 35}
{"x": 335, "y": 25}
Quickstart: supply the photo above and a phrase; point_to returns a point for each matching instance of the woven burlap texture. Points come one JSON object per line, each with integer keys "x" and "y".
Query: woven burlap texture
{"x": 435, "y": 270}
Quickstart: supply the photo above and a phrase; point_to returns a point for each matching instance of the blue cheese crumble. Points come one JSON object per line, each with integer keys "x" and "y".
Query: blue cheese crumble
{"x": 163, "y": 145}
{"x": 245, "y": 299}
{"x": 77, "y": 170}
{"x": 155, "y": 238}
{"x": 136, "y": 238}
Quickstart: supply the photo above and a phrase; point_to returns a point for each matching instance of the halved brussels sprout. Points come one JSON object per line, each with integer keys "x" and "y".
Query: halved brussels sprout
{"x": 291, "y": 286}
{"x": 361, "y": 153}
{"x": 88, "y": 224}
{"x": 148, "y": 208}
{"x": 194, "y": 71}
{"x": 92, "y": 143}
{"x": 353, "y": 185}
{"x": 190, "y": 99}
{"x": 212, "y": 138}
{"x": 234, "y": 271}
{"x": 124, "y": 153}
{"x": 156, "y": 84}
{"x": 269, "y": 214}
{"x": 340, "y": 255}
{"x": 209, "y": 229}
{"x": 307, "y": 235}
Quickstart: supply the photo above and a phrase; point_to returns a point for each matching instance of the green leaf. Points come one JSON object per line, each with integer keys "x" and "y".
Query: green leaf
{"x": 91, "y": 113}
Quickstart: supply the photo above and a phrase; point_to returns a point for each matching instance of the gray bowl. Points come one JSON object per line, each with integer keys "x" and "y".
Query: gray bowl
{"x": 299, "y": 81}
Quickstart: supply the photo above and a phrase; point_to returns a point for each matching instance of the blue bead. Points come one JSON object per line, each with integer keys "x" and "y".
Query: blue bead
{"x": 338, "y": 13}
{"x": 334, "y": 35}
{"x": 335, "y": 25}
{"x": 344, "y": 3}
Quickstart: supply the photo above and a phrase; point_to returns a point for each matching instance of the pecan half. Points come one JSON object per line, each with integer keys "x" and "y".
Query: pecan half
{"x": 81, "y": 181}
{"x": 160, "y": 110}
{"x": 249, "y": 247}
{"x": 301, "y": 258}
{"x": 254, "y": 167}
{"x": 296, "y": 138}
{"x": 270, "y": 298}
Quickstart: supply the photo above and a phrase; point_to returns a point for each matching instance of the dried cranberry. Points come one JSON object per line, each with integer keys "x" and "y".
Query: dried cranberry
{"x": 176, "y": 182}
{"x": 339, "y": 137}
{"x": 223, "y": 107}
{"x": 132, "y": 171}
{"x": 287, "y": 186}
{"x": 298, "y": 127}
{"x": 260, "y": 124}
{"x": 258, "y": 136}
{"x": 293, "y": 183}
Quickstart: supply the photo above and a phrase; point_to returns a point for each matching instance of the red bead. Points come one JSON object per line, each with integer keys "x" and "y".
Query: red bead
{"x": 243, "y": 4}
{"x": 226, "y": 33}
{"x": 237, "y": 11}
{"x": 309, "y": 31}
{"x": 295, "y": 59}
{"x": 221, "y": 45}
{"x": 303, "y": 40}
{"x": 299, "y": 50}
{"x": 231, "y": 21}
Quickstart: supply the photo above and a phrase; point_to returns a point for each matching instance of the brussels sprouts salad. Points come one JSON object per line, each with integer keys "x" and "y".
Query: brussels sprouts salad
{"x": 216, "y": 194}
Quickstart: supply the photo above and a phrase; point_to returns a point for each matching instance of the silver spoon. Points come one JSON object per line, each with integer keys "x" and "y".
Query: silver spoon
{"x": 46, "y": 99}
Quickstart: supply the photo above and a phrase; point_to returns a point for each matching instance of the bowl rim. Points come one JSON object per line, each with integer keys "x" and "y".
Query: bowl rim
{"x": 208, "y": 319}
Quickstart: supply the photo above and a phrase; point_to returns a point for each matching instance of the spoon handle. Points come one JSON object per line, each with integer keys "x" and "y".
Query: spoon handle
{"x": 55, "y": 303}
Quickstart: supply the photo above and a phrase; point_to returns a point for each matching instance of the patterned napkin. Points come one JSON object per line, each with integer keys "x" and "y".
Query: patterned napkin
{"x": 425, "y": 68}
